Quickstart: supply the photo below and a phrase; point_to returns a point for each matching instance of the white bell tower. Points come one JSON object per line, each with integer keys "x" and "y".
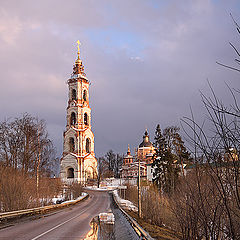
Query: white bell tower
{"x": 78, "y": 162}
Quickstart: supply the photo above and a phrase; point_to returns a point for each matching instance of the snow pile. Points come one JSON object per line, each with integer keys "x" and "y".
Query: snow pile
{"x": 107, "y": 217}
{"x": 96, "y": 188}
{"x": 124, "y": 203}
{"x": 105, "y": 188}
{"x": 59, "y": 200}
{"x": 79, "y": 198}
{"x": 108, "y": 184}
{"x": 113, "y": 181}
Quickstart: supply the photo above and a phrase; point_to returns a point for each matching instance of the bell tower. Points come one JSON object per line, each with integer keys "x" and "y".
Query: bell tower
{"x": 78, "y": 162}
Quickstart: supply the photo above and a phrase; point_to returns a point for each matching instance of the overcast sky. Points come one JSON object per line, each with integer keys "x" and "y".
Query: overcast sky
{"x": 147, "y": 60}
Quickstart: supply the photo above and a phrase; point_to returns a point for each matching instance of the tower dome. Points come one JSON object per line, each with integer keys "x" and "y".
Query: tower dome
{"x": 145, "y": 142}
{"x": 145, "y": 149}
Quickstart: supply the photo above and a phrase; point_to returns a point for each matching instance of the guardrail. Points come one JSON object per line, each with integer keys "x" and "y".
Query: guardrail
{"x": 138, "y": 229}
{"x": 38, "y": 210}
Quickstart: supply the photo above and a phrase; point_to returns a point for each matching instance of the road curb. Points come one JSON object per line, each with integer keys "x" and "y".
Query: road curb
{"x": 137, "y": 228}
{"x": 39, "y": 210}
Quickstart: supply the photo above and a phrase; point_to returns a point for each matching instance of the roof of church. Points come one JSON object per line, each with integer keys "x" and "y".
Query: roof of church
{"x": 145, "y": 142}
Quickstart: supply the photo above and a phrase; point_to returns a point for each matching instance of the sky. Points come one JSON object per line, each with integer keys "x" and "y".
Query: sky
{"x": 147, "y": 61}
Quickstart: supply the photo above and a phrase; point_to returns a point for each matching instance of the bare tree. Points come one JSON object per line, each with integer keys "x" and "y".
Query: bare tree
{"x": 237, "y": 52}
{"x": 26, "y": 149}
{"x": 207, "y": 202}
{"x": 217, "y": 152}
{"x": 114, "y": 162}
{"x": 101, "y": 170}
{"x": 24, "y": 144}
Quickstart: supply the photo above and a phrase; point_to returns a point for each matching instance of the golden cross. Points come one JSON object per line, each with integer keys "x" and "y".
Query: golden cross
{"x": 78, "y": 43}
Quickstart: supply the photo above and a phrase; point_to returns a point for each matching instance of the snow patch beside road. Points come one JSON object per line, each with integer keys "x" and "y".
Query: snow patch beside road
{"x": 126, "y": 204}
{"x": 60, "y": 200}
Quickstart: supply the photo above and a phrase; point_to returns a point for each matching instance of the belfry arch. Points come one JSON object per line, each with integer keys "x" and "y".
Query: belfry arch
{"x": 71, "y": 144}
{"x": 85, "y": 95}
{"x": 73, "y": 118}
{"x": 88, "y": 145}
{"x": 86, "y": 119}
{"x": 70, "y": 173}
{"x": 74, "y": 94}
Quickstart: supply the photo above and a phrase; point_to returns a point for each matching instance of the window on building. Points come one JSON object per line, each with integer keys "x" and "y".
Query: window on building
{"x": 73, "y": 118}
{"x": 88, "y": 145}
{"x": 74, "y": 94}
{"x": 85, "y": 95}
{"x": 70, "y": 173}
{"x": 86, "y": 119}
{"x": 71, "y": 144}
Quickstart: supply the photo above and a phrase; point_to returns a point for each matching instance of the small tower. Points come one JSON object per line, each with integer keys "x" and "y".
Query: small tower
{"x": 78, "y": 161}
{"x": 128, "y": 159}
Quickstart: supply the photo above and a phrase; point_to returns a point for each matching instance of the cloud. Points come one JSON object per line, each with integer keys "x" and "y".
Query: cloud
{"x": 146, "y": 61}
{"x": 10, "y": 28}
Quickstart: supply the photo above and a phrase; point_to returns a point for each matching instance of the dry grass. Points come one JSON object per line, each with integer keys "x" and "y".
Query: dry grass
{"x": 155, "y": 231}
{"x": 18, "y": 190}
{"x": 156, "y": 211}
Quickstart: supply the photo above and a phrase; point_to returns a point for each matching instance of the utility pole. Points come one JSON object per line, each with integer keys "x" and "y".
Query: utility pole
{"x": 38, "y": 157}
{"x": 139, "y": 191}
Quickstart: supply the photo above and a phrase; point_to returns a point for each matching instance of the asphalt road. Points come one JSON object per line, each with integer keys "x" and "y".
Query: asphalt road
{"x": 69, "y": 223}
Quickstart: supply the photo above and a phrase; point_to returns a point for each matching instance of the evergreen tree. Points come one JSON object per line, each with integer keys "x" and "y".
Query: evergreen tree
{"x": 183, "y": 156}
{"x": 176, "y": 145}
{"x": 165, "y": 159}
{"x": 159, "y": 159}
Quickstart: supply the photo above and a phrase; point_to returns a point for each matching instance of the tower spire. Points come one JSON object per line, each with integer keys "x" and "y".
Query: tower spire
{"x": 78, "y": 67}
{"x": 128, "y": 152}
{"x": 78, "y": 52}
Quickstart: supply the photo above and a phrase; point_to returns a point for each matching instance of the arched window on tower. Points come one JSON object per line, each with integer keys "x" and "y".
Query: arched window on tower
{"x": 88, "y": 145}
{"x": 74, "y": 94}
{"x": 85, "y": 95}
{"x": 86, "y": 122}
{"x": 71, "y": 144}
{"x": 70, "y": 173}
{"x": 73, "y": 118}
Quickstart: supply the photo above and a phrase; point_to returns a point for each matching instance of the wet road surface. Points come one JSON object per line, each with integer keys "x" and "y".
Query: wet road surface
{"x": 69, "y": 223}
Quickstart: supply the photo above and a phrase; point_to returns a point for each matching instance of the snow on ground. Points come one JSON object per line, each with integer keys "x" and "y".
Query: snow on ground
{"x": 112, "y": 181}
{"x": 79, "y": 198}
{"x": 56, "y": 200}
{"x": 112, "y": 184}
{"x": 124, "y": 203}
{"x": 101, "y": 188}
{"x": 107, "y": 184}
{"x": 61, "y": 199}
{"x": 96, "y": 188}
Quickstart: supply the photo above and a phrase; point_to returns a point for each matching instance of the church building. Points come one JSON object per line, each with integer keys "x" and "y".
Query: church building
{"x": 78, "y": 162}
{"x": 144, "y": 154}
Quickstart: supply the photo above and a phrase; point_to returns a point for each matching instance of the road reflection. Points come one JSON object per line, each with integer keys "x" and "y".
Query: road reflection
{"x": 100, "y": 230}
